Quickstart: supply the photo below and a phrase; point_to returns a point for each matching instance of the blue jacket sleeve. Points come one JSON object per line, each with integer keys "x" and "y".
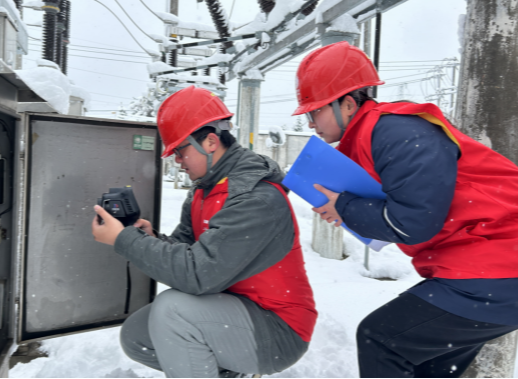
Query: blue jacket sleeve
{"x": 417, "y": 164}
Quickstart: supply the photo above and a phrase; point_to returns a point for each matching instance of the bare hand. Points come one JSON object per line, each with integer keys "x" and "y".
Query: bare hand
{"x": 145, "y": 225}
{"x": 106, "y": 233}
{"x": 328, "y": 212}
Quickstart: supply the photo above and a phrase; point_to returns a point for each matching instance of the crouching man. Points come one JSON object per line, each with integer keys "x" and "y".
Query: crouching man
{"x": 240, "y": 300}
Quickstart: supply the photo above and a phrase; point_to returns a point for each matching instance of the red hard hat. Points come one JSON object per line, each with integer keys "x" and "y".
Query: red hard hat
{"x": 186, "y": 111}
{"x": 330, "y": 72}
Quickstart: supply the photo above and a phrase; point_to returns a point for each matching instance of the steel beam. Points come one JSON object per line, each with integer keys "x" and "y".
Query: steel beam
{"x": 309, "y": 27}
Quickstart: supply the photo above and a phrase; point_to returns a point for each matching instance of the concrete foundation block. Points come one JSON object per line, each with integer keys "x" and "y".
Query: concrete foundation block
{"x": 328, "y": 240}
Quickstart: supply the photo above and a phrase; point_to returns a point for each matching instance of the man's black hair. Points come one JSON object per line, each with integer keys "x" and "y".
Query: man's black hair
{"x": 360, "y": 96}
{"x": 225, "y": 137}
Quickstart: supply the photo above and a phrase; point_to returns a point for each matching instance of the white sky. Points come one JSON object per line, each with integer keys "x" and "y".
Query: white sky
{"x": 417, "y": 30}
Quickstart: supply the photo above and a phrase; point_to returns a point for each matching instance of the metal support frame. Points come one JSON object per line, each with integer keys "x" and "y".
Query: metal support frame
{"x": 273, "y": 56}
{"x": 377, "y": 47}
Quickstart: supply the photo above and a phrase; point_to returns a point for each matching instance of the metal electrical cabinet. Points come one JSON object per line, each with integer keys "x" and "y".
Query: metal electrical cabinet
{"x": 60, "y": 280}
{"x": 72, "y": 282}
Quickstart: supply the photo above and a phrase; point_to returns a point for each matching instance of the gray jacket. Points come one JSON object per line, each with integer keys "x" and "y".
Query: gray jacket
{"x": 253, "y": 230}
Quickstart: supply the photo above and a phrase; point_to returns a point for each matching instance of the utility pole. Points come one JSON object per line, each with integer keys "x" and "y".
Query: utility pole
{"x": 487, "y": 105}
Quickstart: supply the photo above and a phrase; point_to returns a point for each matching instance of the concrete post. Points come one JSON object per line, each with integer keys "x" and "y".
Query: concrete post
{"x": 248, "y": 111}
{"x": 328, "y": 240}
{"x": 487, "y": 108}
{"x": 4, "y": 369}
{"x": 367, "y": 38}
{"x": 333, "y": 36}
{"x": 495, "y": 360}
{"x": 487, "y": 101}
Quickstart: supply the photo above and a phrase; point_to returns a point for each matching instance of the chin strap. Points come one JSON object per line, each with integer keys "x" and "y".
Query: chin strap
{"x": 338, "y": 116}
{"x": 218, "y": 127}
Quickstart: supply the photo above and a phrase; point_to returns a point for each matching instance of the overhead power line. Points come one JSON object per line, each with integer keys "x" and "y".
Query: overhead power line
{"x": 115, "y": 76}
{"x": 101, "y": 73}
{"x": 72, "y": 45}
{"x": 125, "y": 27}
{"x": 104, "y": 94}
{"x": 101, "y": 52}
{"x": 134, "y": 23}
{"x": 104, "y": 59}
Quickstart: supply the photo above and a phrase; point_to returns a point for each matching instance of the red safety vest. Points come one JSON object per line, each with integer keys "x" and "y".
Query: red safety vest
{"x": 282, "y": 288}
{"x": 480, "y": 235}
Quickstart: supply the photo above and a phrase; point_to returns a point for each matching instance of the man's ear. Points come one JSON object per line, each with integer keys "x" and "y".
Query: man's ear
{"x": 350, "y": 105}
{"x": 213, "y": 142}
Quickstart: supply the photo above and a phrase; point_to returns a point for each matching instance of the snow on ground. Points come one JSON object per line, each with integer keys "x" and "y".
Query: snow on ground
{"x": 344, "y": 294}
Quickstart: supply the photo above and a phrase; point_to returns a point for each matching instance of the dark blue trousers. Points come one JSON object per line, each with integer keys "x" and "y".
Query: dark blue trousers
{"x": 410, "y": 338}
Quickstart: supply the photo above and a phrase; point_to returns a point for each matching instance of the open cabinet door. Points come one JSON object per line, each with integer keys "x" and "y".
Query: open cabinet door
{"x": 6, "y": 232}
{"x": 69, "y": 282}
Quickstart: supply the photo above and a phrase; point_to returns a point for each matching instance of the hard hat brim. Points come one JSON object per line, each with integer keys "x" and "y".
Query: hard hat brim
{"x": 301, "y": 109}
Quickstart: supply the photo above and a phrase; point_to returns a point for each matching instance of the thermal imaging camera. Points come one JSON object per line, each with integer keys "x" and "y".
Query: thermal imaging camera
{"x": 121, "y": 204}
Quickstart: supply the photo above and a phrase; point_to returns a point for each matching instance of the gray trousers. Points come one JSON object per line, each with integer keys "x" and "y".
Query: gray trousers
{"x": 188, "y": 336}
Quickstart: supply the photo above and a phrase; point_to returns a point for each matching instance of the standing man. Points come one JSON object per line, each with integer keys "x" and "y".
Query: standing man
{"x": 452, "y": 205}
{"x": 240, "y": 301}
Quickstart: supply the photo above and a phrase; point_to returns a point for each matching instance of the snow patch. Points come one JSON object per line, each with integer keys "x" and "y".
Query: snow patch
{"x": 159, "y": 66}
{"x": 33, "y": 4}
{"x": 345, "y": 24}
{"x": 326, "y": 357}
{"x": 194, "y": 78}
{"x": 170, "y": 18}
{"x": 47, "y": 63}
{"x": 253, "y": 73}
{"x": 215, "y": 58}
{"x": 12, "y": 7}
{"x": 273, "y": 19}
{"x": 50, "y": 84}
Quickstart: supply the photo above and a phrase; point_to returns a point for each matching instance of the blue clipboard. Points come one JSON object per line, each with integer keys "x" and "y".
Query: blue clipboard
{"x": 319, "y": 163}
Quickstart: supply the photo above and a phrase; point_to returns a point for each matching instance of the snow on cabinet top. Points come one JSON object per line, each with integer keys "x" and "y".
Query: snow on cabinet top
{"x": 49, "y": 83}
